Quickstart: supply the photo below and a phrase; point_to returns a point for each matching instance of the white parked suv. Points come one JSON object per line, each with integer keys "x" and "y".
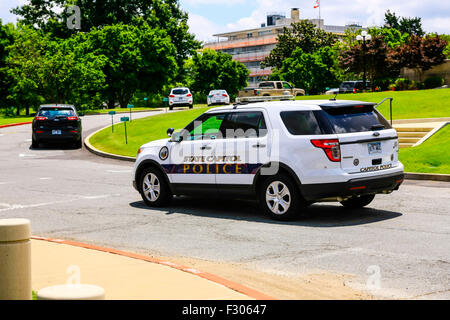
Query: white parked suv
{"x": 286, "y": 154}
{"x": 180, "y": 97}
{"x": 218, "y": 97}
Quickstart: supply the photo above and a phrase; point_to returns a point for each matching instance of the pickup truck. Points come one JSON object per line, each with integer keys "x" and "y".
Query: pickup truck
{"x": 271, "y": 88}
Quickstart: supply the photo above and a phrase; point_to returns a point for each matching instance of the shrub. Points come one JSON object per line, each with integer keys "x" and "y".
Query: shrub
{"x": 402, "y": 84}
{"x": 433, "y": 82}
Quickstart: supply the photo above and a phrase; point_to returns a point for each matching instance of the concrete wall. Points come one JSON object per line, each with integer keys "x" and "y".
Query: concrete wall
{"x": 442, "y": 70}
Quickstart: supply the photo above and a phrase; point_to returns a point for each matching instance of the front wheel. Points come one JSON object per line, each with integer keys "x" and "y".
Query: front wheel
{"x": 153, "y": 188}
{"x": 278, "y": 197}
{"x": 358, "y": 202}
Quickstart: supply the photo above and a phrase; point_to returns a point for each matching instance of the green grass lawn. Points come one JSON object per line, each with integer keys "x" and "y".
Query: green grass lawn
{"x": 119, "y": 110}
{"x": 142, "y": 131}
{"x": 17, "y": 119}
{"x": 414, "y": 104}
{"x": 432, "y": 156}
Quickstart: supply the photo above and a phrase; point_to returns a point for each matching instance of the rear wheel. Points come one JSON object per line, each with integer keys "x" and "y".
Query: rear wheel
{"x": 153, "y": 188}
{"x": 191, "y": 106}
{"x": 358, "y": 202}
{"x": 278, "y": 197}
{"x": 78, "y": 144}
{"x": 170, "y": 108}
{"x": 34, "y": 143}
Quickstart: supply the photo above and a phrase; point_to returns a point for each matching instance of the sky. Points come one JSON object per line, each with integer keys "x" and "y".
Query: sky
{"x": 208, "y": 17}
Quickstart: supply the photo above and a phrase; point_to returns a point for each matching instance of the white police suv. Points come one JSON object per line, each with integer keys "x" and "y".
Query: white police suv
{"x": 286, "y": 154}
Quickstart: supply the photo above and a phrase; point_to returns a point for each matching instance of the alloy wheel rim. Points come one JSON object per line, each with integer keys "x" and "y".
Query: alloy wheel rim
{"x": 151, "y": 187}
{"x": 278, "y": 197}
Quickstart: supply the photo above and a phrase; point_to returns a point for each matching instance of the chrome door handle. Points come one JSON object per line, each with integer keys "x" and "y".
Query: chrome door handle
{"x": 259, "y": 145}
{"x": 205, "y": 148}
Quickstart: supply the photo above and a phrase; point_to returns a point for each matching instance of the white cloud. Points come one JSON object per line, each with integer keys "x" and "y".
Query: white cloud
{"x": 203, "y": 28}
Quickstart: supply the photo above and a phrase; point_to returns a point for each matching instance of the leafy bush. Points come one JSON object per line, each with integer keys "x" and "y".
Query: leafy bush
{"x": 8, "y": 112}
{"x": 433, "y": 82}
{"x": 402, "y": 84}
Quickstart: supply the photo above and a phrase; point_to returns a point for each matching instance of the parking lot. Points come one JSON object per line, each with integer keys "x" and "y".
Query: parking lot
{"x": 398, "y": 247}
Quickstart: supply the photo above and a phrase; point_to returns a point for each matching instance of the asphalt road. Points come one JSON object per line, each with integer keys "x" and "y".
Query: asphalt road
{"x": 398, "y": 247}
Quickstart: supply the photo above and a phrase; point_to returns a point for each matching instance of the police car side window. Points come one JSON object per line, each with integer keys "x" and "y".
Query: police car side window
{"x": 245, "y": 125}
{"x": 206, "y": 126}
{"x": 301, "y": 122}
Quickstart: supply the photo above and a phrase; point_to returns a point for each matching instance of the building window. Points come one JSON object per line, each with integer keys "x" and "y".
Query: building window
{"x": 249, "y": 35}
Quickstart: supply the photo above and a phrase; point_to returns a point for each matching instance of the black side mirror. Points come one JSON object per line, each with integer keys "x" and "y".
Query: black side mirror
{"x": 81, "y": 114}
{"x": 33, "y": 114}
{"x": 170, "y": 131}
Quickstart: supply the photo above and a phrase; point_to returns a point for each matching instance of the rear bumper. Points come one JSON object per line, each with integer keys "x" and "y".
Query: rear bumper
{"x": 360, "y": 186}
{"x": 46, "y": 136}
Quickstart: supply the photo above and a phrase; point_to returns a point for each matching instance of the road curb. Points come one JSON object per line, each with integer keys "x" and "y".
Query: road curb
{"x": 103, "y": 154}
{"x": 14, "y": 124}
{"x": 205, "y": 275}
{"x": 427, "y": 176}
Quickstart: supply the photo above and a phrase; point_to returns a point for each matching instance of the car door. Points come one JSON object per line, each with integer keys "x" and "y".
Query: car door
{"x": 244, "y": 149}
{"x": 192, "y": 158}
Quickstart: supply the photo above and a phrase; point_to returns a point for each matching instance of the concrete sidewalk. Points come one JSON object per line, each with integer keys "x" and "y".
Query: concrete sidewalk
{"x": 124, "y": 277}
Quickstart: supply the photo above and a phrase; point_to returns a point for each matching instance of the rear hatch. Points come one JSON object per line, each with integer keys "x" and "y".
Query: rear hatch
{"x": 367, "y": 141}
{"x": 60, "y": 119}
{"x": 181, "y": 95}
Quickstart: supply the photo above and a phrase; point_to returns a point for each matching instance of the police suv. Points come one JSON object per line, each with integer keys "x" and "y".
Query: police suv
{"x": 286, "y": 154}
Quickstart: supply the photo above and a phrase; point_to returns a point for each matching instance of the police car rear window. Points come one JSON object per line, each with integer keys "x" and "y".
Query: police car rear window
{"x": 355, "y": 119}
{"x": 301, "y": 122}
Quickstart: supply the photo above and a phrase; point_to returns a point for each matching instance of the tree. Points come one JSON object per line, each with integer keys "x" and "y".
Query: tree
{"x": 217, "y": 70}
{"x": 160, "y": 14}
{"x": 411, "y": 26}
{"x": 42, "y": 69}
{"x": 6, "y": 39}
{"x": 304, "y": 35}
{"x": 379, "y": 60}
{"x": 313, "y": 72}
{"x": 422, "y": 53}
{"x": 136, "y": 58}
{"x": 391, "y": 36}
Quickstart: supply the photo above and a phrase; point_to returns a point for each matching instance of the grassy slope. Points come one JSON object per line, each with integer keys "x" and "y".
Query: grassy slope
{"x": 142, "y": 131}
{"x": 432, "y": 156}
{"x": 15, "y": 119}
{"x": 406, "y": 104}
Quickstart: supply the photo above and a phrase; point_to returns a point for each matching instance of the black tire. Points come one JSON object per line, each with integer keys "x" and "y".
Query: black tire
{"x": 170, "y": 108}
{"x": 34, "y": 143}
{"x": 78, "y": 144}
{"x": 358, "y": 202}
{"x": 292, "y": 200}
{"x": 191, "y": 106}
{"x": 162, "y": 196}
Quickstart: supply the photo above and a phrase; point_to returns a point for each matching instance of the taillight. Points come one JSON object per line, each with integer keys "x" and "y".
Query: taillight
{"x": 331, "y": 148}
{"x": 39, "y": 118}
{"x": 172, "y": 96}
{"x": 72, "y": 118}
{"x": 225, "y": 95}
{"x": 189, "y": 95}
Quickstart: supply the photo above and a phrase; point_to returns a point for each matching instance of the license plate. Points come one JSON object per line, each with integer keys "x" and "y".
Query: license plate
{"x": 374, "y": 147}
{"x": 56, "y": 131}
{"x": 180, "y": 99}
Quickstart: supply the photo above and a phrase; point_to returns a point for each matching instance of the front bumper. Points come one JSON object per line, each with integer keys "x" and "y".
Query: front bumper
{"x": 353, "y": 187}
